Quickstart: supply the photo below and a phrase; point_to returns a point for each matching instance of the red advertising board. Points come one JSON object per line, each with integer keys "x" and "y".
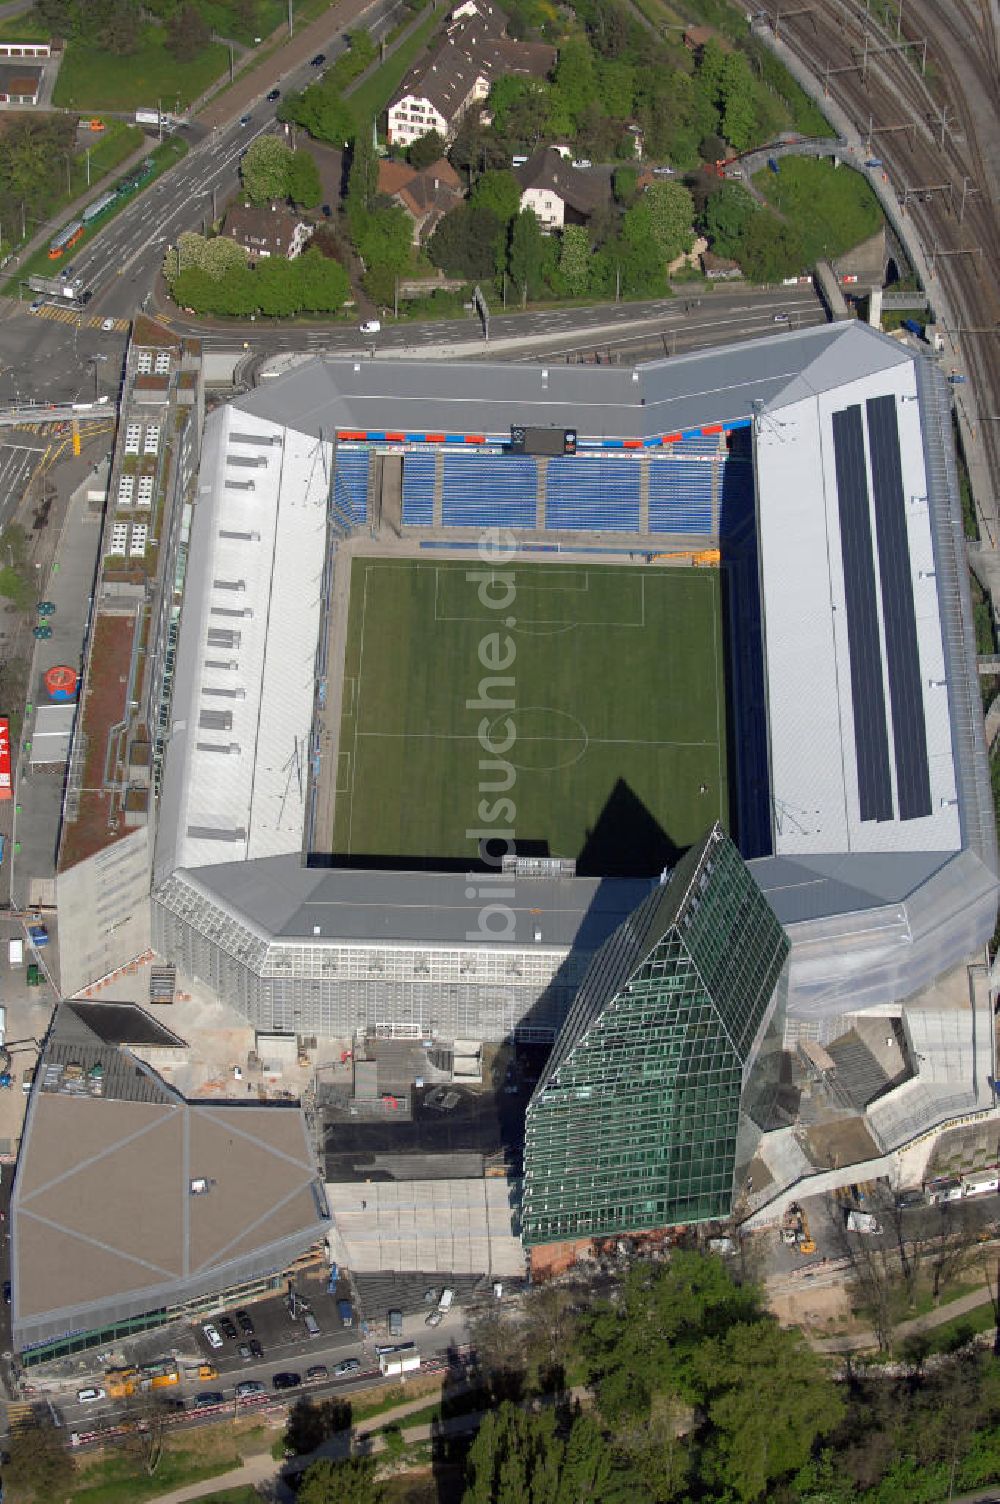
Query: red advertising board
{"x": 6, "y": 790}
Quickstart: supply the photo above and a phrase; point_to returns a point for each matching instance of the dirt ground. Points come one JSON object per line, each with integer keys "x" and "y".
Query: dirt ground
{"x": 820, "y": 1309}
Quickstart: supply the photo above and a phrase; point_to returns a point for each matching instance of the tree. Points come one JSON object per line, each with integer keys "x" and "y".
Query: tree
{"x": 386, "y": 239}
{"x": 500, "y": 192}
{"x": 40, "y": 1467}
{"x": 322, "y": 112}
{"x": 362, "y": 181}
{"x": 624, "y": 184}
{"x": 575, "y": 83}
{"x": 544, "y": 1458}
{"x": 426, "y": 149}
{"x": 187, "y": 33}
{"x": 526, "y": 257}
{"x": 145, "y": 1420}
{"x": 118, "y": 25}
{"x": 265, "y": 169}
{"x": 665, "y": 211}
{"x": 350, "y": 1482}
{"x": 771, "y": 249}
{"x": 574, "y": 260}
{"x": 277, "y": 287}
{"x": 324, "y": 285}
{"x": 727, "y": 215}
{"x": 464, "y": 242}
{"x": 221, "y": 255}
{"x": 304, "y": 187}
{"x": 768, "y": 1399}
{"x": 736, "y": 99}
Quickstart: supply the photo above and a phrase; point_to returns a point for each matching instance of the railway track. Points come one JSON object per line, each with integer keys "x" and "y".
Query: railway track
{"x": 958, "y": 230}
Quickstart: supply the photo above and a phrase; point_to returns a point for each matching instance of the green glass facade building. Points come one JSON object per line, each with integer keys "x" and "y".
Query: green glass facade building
{"x": 667, "y": 1058}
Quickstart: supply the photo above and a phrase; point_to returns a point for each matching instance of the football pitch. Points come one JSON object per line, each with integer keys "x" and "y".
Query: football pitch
{"x": 580, "y": 706}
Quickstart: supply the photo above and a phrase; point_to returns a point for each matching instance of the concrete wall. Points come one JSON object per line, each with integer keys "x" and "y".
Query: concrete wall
{"x": 103, "y": 906}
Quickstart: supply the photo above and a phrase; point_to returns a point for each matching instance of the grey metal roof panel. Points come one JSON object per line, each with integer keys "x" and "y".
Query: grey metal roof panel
{"x": 813, "y": 887}
{"x": 328, "y": 392}
{"x": 291, "y": 902}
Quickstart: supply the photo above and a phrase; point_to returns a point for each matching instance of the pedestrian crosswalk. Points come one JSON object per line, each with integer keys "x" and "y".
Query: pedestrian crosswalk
{"x": 74, "y": 316}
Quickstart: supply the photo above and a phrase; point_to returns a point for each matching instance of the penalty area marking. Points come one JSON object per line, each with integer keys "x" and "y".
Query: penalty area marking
{"x": 343, "y": 773}
{"x": 541, "y": 625}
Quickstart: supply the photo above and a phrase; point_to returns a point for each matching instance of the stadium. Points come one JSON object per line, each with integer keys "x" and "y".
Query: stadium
{"x": 472, "y": 654}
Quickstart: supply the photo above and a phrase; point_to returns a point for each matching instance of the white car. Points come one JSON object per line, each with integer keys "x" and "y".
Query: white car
{"x": 371, "y": 326}
{"x": 583, "y": 162}
{"x": 107, "y": 325}
{"x": 90, "y": 1396}
{"x": 211, "y": 1335}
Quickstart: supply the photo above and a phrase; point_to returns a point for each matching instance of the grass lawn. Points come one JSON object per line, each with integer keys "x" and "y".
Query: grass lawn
{"x": 26, "y": 28}
{"x": 114, "y": 1479}
{"x": 163, "y": 156}
{"x": 370, "y": 98}
{"x": 93, "y": 79}
{"x": 833, "y": 208}
{"x": 618, "y": 712}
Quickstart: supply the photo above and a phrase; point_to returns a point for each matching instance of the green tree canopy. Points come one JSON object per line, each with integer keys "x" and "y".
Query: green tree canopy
{"x": 187, "y": 32}
{"x": 304, "y": 186}
{"x": 769, "y": 1400}
{"x": 726, "y": 218}
{"x": 426, "y": 149}
{"x": 736, "y": 97}
{"x": 500, "y": 192}
{"x": 465, "y": 241}
{"x": 574, "y": 260}
{"x": 264, "y": 169}
{"x": 575, "y": 82}
{"x": 665, "y": 211}
{"x": 324, "y": 285}
{"x": 520, "y": 1457}
{"x": 527, "y": 255}
{"x": 321, "y": 110}
{"x": 351, "y": 1482}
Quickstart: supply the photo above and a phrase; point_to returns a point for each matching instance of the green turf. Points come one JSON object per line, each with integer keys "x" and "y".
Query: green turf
{"x": 619, "y": 712}
{"x": 92, "y": 78}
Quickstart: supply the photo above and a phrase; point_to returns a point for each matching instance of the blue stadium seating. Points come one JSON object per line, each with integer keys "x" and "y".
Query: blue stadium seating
{"x": 737, "y": 492}
{"x": 701, "y": 443}
{"x": 680, "y": 496}
{"x": 489, "y": 491}
{"x": 350, "y": 483}
{"x": 418, "y": 490}
{"x": 596, "y": 495}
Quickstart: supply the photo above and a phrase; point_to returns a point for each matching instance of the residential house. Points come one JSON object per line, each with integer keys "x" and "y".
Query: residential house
{"x": 458, "y": 72}
{"x": 426, "y": 196}
{"x": 559, "y": 193}
{"x": 267, "y": 231}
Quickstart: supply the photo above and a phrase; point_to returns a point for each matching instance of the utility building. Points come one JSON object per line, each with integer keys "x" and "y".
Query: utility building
{"x": 635, "y": 1124}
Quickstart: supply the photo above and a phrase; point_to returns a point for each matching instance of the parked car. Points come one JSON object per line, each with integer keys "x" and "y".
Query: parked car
{"x": 272, "y": 95}
{"x": 434, "y": 1318}
{"x": 395, "y": 1323}
{"x": 780, "y": 318}
{"x": 431, "y": 1296}
{"x": 38, "y": 303}
{"x": 90, "y": 1396}
{"x": 317, "y": 1373}
{"x": 228, "y": 1328}
{"x": 245, "y": 119}
{"x": 326, "y": 211}
{"x": 583, "y": 162}
{"x": 107, "y": 325}
{"x": 255, "y": 1348}
{"x": 42, "y": 632}
{"x": 348, "y": 1365}
{"x": 248, "y": 1387}
{"x": 286, "y": 1381}
{"x": 371, "y": 326}
{"x": 246, "y": 1325}
{"x": 206, "y": 1401}
{"x": 212, "y": 1335}
{"x": 244, "y": 1352}
{"x": 6, "y": 1292}
{"x": 318, "y": 60}
{"x": 45, "y": 608}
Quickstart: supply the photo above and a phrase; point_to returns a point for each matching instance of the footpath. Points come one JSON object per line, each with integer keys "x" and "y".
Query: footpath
{"x": 860, "y": 1341}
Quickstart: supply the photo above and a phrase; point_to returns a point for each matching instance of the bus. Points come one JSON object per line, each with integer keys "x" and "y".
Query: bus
{"x": 65, "y": 239}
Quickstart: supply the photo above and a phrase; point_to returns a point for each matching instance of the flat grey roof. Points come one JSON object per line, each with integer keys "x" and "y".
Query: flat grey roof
{"x": 330, "y": 393}
{"x": 286, "y": 901}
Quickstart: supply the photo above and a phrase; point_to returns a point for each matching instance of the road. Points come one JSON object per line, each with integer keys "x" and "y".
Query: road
{"x": 121, "y": 263}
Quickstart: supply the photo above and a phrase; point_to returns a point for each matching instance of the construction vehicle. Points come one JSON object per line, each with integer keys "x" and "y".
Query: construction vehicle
{"x": 705, "y": 558}
{"x": 795, "y": 1230}
{"x": 121, "y": 1383}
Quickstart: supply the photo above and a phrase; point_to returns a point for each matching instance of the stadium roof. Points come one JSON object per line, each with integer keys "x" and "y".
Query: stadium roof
{"x": 859, "y": 725}
{"x": 244, "y": 678}
{"x": 287, "y": 901}
{"x": 105, "y": 1221}
{"x": 329, "y": 393}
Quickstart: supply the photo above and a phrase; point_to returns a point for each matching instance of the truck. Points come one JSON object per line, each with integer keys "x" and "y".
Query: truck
{"x": 395, "y": 1364}
{"x": 862, "y": 1222}
{"x": 38, "y": 935}
{"x": 66, "y": 288}
{"x": 149, "y": 117}
{"x": 346, "y": 1312}
{"x": 15, "y": 952}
